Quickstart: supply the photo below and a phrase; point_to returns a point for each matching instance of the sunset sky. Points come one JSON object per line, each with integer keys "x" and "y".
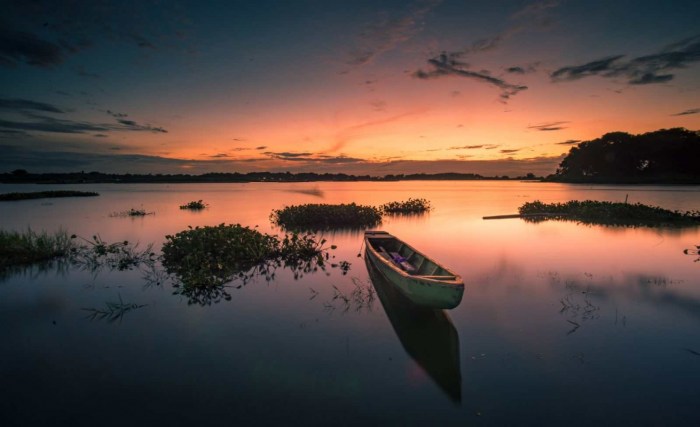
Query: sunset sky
{"x": 376, "y": 87}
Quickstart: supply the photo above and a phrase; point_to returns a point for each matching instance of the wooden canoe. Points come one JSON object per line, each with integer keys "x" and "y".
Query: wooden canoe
{"x": 423, "y": 280}
{"x": 427, "y": 334}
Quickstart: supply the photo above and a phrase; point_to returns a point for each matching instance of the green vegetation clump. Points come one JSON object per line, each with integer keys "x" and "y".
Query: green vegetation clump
{"x": 410, "y": 206}
{"x": 131, "y": 213}
{"x": 6, "y": 197}
{"x": 212, "y": 256}
{"x": 30, "y": 247}
{"x": 197, "y": 205}
{"x": 121, "y": 256}
{"x": 325, "y": 216}
{"x": 609, "y": 213}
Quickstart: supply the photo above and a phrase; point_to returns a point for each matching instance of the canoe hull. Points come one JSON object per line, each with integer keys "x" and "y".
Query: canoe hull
{"x": 423, "y": 291}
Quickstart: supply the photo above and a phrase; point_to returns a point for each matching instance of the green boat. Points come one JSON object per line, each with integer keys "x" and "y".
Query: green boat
{"x": 421, "y": 279}
{"x": 427, "y": 335}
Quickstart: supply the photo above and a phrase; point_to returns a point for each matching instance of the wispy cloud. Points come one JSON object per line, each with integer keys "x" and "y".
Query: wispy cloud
{"x": 569, "y": 142}
{"x": 474, "y": 147}
{"x": 312, "y": 158}
{"x": 688, "y": 112}
{"x": 26, "y": 104}
{"x": 548, "y": 127}
{"x": 41, "y": 123}
{"x": 536, "y": 15}
{"x": 510, "y": 151}
{"x": 386, "y": 33}
{"x": 646, "y": 69}
{"x": 448, "y": 64}
{"x": 345, "y": 135}
{"x": 23, "y": 47}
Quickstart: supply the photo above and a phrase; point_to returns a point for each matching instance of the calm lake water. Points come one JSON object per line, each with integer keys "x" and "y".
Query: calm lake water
{"x": 560, "y": 323}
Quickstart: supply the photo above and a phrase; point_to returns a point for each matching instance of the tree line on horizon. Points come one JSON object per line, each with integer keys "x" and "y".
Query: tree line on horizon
{"x": 662, "y": 156}
{"x": 23, "y": 176}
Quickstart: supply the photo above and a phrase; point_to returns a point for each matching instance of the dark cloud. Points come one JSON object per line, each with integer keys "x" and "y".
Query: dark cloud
{"x": 116, "y": 115}
{"x": 516, "y": 70}
{"x": 474, "y": 147}
{"x": 312, "y": 158}
{"x": 42, "y": 123}
{"x": 448, "y": 64}
{"x": 132, "y": 125}
{"x": 219, "y": 156}
{"x": 101, "y": 135}
{"x": 647, "y": 69}
{"x": 547, "y": 127}
{"x": 50, "y": 124}
{"x": 26, "y": 104}
{"x": 21, "y": 47}
{"x": 510, "y": 151}
{"x": 385, "y": 34}
{"x": 262, "y": 147}
{"x": 592, "y": 68}
{"x": 688, "y": 112}
{"x": 50, "y": 160}
{"x": 569, "y": 142}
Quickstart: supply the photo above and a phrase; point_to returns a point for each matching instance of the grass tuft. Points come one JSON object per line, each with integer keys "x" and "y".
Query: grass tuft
{"x": 28, "y": 247}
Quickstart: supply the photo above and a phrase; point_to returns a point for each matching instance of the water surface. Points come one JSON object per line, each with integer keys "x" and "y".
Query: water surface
{"x": 560, "y": 323}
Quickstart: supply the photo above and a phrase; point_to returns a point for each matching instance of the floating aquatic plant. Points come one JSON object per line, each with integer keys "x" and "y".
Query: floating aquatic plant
{"x": 131, "y": 213}
{"x": 410, "y": 206}
{"x": 197, "y": 205}
{"x": 121, "y": 256}
{"x": 609, "y": 213}
{"x": 213, "y": 256}
{"x": 326, "y": 216}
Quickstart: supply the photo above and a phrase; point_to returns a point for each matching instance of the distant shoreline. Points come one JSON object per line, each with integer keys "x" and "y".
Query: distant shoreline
{"x": 23, "y": 177}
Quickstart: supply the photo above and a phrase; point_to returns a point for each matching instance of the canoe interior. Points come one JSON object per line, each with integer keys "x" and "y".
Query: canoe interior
{"x": 387, "y": 245}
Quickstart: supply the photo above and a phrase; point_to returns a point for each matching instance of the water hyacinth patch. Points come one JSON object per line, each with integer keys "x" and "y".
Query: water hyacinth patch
{"x": 131, "y": 213}
{"x": 410, "y": 206}
{"x": 609, "y": 213}
{"x": 325, "y": 216}
{"x": 213, "y": 256}
{"x": 197, "y": 205}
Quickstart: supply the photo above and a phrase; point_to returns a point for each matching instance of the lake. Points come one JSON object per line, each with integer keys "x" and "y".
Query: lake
{"x": 560, "y": 323}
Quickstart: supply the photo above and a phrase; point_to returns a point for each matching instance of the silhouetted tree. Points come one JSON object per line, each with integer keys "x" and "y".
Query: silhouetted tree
{"x": 666, "y": 155}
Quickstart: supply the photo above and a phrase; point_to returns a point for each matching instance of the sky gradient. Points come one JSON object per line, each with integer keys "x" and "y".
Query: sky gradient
{"x": 372, "y": 87}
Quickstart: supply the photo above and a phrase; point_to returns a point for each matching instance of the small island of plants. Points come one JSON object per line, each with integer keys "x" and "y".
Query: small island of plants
{"x": 11, "y": 197}
{"x": 325, "y": 216}
{"x": 608, "y": 213}
{"x": 212, "y": 256}
{"x": 343, "y": 216}
{"x": 132, "y": 213}
{"x": 196, "y": 205}
{"x": 410, "y": 206}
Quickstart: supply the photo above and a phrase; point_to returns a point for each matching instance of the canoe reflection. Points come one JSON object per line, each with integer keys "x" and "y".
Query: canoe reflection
{"x": 427, "y": 334}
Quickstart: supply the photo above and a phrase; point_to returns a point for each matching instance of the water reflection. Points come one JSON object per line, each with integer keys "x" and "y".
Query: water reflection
{"x": 427, "y": 335}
